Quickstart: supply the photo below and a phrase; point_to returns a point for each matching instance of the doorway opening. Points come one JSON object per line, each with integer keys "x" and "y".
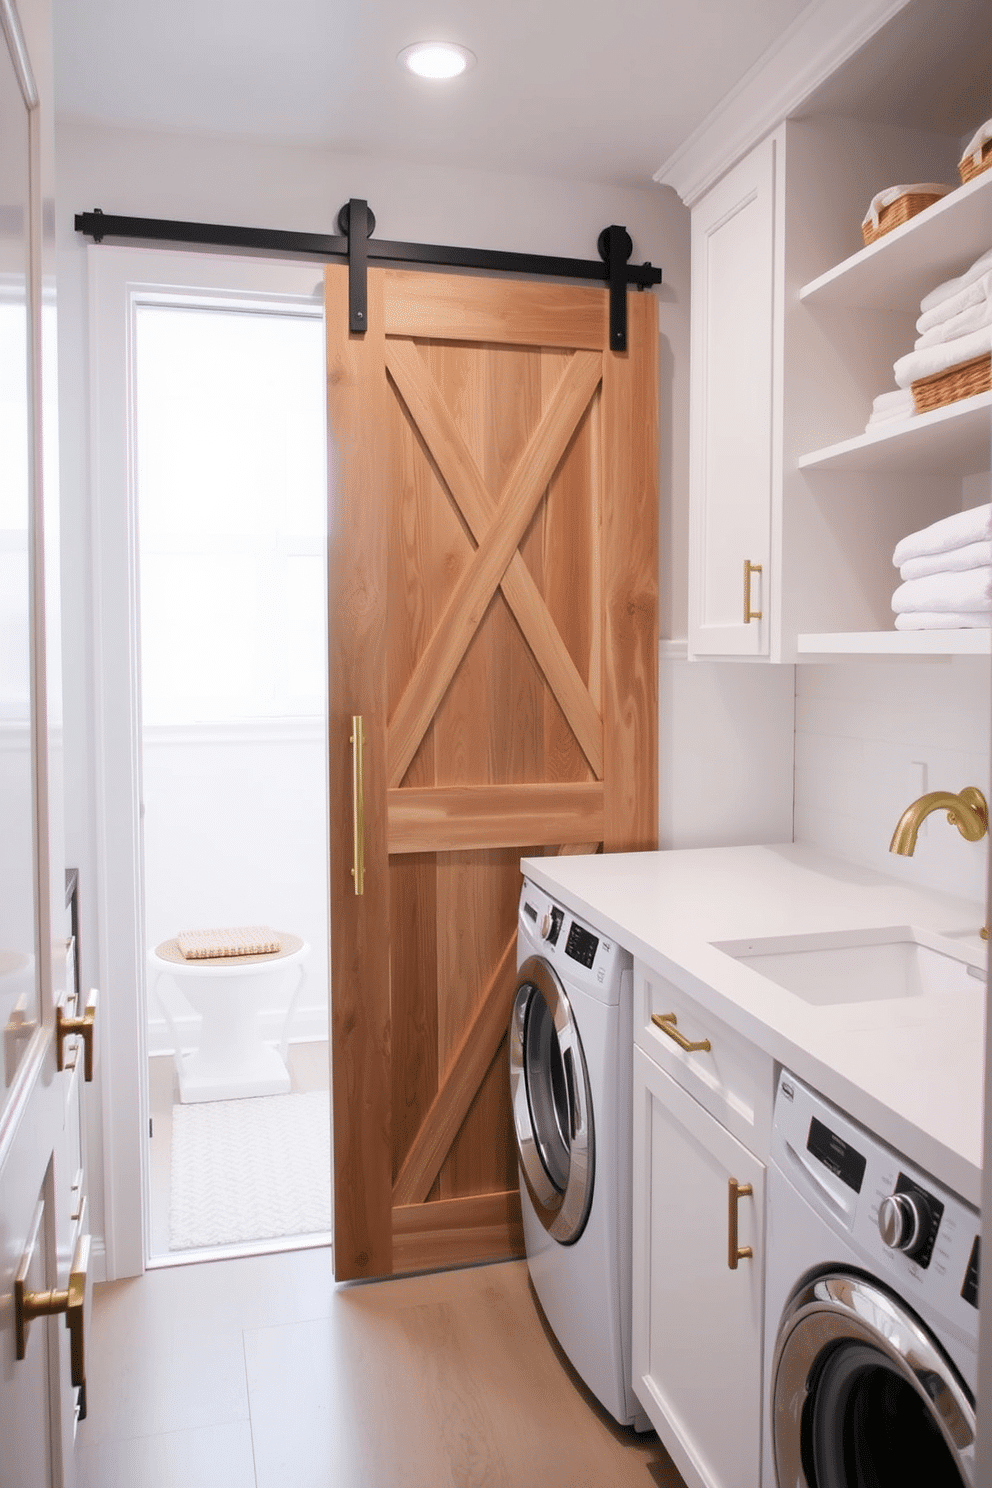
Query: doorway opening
{"x": 229, "y": 432}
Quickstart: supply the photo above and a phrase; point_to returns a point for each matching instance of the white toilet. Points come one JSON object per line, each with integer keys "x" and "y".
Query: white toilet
{"x": 231, "y": 1060}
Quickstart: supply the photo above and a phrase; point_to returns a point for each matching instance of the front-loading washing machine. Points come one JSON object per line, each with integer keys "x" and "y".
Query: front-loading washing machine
{"x": 871, "y": 1315}
{"x": 570, "y": 1049}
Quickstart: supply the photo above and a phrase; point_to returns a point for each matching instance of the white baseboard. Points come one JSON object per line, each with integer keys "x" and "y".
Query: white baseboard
{"x": 308, "y": 1023}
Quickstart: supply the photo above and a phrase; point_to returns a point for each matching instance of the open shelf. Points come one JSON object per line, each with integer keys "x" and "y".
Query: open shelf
{"x": 897, "y": 270}
{"x": 908, "y": 643}
{"x": 953, "y": 440}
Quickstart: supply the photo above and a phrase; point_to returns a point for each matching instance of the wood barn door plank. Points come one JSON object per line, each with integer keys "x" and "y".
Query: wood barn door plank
{"x": 630, "y": 584}
{"x": 455, "y": 307}
{"x": 360, "y": 1008}
{"x": 456, "y": 818}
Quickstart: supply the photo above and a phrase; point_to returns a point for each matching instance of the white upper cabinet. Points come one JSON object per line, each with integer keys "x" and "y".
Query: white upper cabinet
{"x": 734, "y": 324}
{"x": 795, "y": 329}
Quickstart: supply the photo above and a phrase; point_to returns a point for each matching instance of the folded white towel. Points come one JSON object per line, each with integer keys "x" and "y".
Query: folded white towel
{"x": 963, "y": 324}
{"x": 948, "y": 620}
{"x": 951, "y": 287}
{"x": 972, "y": 555}
{"x": 955, "y": 531}
{"x": 971, "y": 590}
{"x": 895, "y": 405}
{"x": 974, "y": 146}
{"x": 919, "y": 364}
{"x": 973, "y": 294}
{"x": 893, "y": 193}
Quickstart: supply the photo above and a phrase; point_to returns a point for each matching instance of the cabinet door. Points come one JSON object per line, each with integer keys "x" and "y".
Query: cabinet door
{"x": 733, "y": 402}
{"x": 697, "y": 1323}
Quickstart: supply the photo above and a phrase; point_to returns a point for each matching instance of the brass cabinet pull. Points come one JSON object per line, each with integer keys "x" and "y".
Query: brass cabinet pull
{"x": 735, "y": 1252}
{"x": 667, "y": 1023}
{"x": 358, "y": 800}
{"x": 29, "y": 1305}
{"x": 66, "y": 1026}
{"x": 749, "y": 569}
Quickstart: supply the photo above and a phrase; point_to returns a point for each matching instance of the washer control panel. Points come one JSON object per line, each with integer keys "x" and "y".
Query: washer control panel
{"x": 908, "y": 1229}
{"x": 582, "y": 955}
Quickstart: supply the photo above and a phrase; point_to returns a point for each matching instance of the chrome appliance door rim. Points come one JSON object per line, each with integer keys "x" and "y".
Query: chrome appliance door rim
{"x": 563, "y": 1213}
{"x": 836, "y": 1308}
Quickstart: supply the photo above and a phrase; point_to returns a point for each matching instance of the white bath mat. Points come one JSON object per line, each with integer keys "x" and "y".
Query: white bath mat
{"x": 253, "y": 1169}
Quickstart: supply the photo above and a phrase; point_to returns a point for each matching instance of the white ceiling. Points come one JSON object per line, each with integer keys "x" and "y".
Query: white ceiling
{"x": 568, "y": 88}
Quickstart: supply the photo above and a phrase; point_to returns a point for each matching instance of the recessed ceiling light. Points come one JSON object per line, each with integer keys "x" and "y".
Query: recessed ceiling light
{"x": 436, "y": 59}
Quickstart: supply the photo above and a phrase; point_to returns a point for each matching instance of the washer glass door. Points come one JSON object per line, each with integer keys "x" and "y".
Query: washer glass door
{"x": 552, "y": 1103}
{"x": 863, "y": 1397}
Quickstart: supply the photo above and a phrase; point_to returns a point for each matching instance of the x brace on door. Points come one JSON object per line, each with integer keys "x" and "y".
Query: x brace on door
{"x": 357, "y": 248}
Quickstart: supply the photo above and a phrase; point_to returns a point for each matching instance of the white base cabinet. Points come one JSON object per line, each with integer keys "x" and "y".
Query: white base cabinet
{"x": 702, "y": 1119}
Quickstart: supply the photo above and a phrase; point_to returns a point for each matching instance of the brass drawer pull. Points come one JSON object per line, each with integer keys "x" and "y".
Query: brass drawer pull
{"x": 66, "y": 1026}
{"x": 735, "y": 1252}
{"x": 358, "y": 800}
{"x": 667, "y": 1021}
{"x": 749, "y": 569}
{"x": 29, "y": 1305}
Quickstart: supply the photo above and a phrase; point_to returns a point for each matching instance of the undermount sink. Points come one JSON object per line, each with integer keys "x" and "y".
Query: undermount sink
{"x": 861, "y": 966}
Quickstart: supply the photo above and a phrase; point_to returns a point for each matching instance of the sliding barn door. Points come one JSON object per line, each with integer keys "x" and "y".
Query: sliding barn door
{"x": 493, "y": 626}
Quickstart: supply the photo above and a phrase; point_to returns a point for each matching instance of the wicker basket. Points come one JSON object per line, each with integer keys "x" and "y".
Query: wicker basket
{"x": 968, "y": 169}
{"x": 963, "y": 381}
{"x": 896, "y": 213}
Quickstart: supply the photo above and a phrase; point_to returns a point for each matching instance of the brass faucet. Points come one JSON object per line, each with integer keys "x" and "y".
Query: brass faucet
{"x": 968, "y": 811}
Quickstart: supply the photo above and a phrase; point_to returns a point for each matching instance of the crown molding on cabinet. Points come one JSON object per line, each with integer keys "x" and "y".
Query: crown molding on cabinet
{"x": 819, "y": 41}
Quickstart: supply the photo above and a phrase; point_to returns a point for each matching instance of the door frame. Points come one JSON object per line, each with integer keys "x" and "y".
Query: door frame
{"x": 119, "y": 280}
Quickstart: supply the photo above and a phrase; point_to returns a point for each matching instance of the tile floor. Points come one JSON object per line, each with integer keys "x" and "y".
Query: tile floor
{"x": 260, "y": 1373}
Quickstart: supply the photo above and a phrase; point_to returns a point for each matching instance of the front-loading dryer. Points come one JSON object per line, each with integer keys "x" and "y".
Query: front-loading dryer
{"x": 871, "y": 1316}
{"x": 570, "y": 1050}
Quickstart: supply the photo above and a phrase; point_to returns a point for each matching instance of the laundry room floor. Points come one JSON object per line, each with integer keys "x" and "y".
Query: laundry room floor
{"x": 260, "y": 1373}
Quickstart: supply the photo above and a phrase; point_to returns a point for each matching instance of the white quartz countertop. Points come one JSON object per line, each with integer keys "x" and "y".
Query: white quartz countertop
{"x": 911, "y": 1070}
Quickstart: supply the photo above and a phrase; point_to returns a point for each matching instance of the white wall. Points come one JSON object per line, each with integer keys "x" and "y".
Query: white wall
{"x": 725, "y": 752}
{"x": 267, "y": 185}
{"x": 235, "y": 833}
{"x": 870, "y": 738}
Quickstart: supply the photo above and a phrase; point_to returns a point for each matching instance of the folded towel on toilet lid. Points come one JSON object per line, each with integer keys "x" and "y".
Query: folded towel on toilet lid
{"x": 246, "y": 940}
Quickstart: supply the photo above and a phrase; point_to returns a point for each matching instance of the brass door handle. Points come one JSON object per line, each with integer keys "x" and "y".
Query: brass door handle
{"x": 358, "y": 800}
{"x": 667, "y": 1023}
{"x": 736, "y": 1252}
{"x": 749, "y": 569}
{"x": 72, "y": 1301}
{"x": 66, "y": 1026}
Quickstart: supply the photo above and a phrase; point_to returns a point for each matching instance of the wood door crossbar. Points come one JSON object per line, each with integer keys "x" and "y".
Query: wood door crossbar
{"x": 457, "y": 1090}
{"x": 461, "y": 817}
{"x": 468, "y": 603}
{"x": 481, "y": 1227}
{"x": 471, "y": 495}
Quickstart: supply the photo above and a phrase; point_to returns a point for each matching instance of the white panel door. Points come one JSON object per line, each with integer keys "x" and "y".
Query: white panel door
{"x": 733, "y": 405}
{"x": 37, "y": 1401}
{"x": 697, "y": 1323}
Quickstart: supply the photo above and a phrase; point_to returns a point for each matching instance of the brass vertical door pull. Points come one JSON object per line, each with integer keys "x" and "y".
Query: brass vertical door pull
{"x": 749, "y": 569}
{"x": 65, "y": 1027}
{"x": 736, "y": 1252}
{"x": 358, "y": 799}
{"x": 30, "y": 1305}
